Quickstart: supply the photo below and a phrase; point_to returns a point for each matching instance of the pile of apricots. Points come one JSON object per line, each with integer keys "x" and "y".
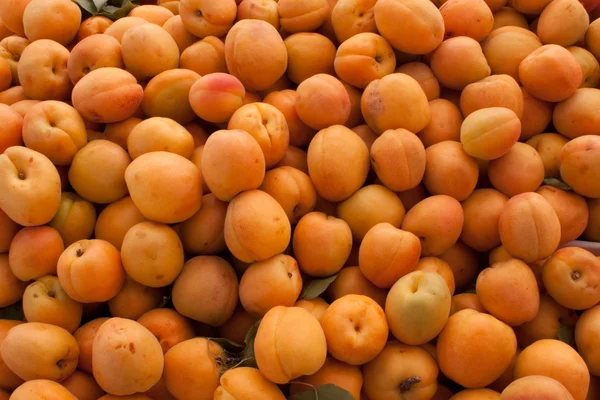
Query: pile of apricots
{"x": 300, "y": 199}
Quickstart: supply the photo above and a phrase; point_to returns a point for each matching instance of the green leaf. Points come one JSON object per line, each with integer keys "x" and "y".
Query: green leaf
{"x": 228, "y": 345}
{"x": 557, "y": 183}
{"x": 316, "y": 287}
{"x": 87, "y": 5}
{"x": 100, "y": 4}
{"x": 565, "y": 334}
{"x": 14, "y": 312}
{"x": 324, "y": 392}
{"x": 116, "y": 12}
{"x": 248, "y": 354}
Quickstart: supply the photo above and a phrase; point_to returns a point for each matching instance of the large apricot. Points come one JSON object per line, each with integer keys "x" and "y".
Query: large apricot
{"x": 302, "y": 352}
{"x": 170, "y": 327}
{"x": 417, "y": 307}
{"x": 93, "y": 25}
{"x": 206, "y": 290}
{"x": 27, "y": 265}
{"x": 466, "y": 335}
{"x": 422, "y": 30}
{"x": 536, "y": 387}
{"x": 36, "y": 350}
{"x": 446, "y": 120}
{"x": 259, "y": 9}
{"x": 469, "y": 63}
{"x": 84, "y": 336}
{"x": 398, "y": 159}
{"x": 216, "y": 96}
{"x": 242, "y": 382}
{"x": 579, "y": 166}
{"x": 57, "y": 20}
{"x": 519, "y": 170}
{"x": 574, "y": 117}
{"x": 177, "y": 180}
{"x": 42, "y": 389}
{"x": 12, "y": 127}
{"x": 270, "y": 283}
{"x": 309, "y": 54}
{"x": 204, "y": 57}
{"x": 91, "y": 271}
{"x": 322, "y": 101}
{"x": 255, "y": 54}
{"x": 563, "y": 22}
{"x": 450, "y": 170}
{"x": 379, "y": 254}
{"x": 557, "y": 360}
{"x": 395, "y": 101}
{"x": 401, "y": 371}
{"x": 30, "y": 186}
{"x": 12, "y": 287}
{"x": 482, "y": 211}
{"x": 571, "y": 209}
{"x": 589, "y": 66}
{"x": 550, "y": 73}
{"x": 148, "y": 50}
{"x": 437, "y": 221}
{"x": 338, "y": 162}
{"x": 205, "y": 18}
{"x": 509, "y": 291}
{"x": 571, "y": 276}
{"x": 107, "y": 95}
{"x": 467, "y": 18}
{"x": 127, "y": 358}
{"x": 285, "y": 101}
{"x": 8, "y": 230}
{"x": 167, "y": 95}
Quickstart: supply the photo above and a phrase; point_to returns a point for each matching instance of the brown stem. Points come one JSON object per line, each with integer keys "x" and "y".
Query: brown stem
{"x": 408, "y": 384}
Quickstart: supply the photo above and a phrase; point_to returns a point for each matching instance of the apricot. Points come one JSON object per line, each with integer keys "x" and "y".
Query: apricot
{"x": 216, "y": 96}
{"x": 591, "y": 38}
{"x": 192, "y": 369}
{"x": 571, "y": 209}
{"x": 270, "y": 283}
{"x": 159, "y": 134}
{"x": 366, "y": 134}
{"x": 206, "y": 18}
{"x": 424, "y": 75}
{"x": 356, "y": 329}
{"x": 300, "y": 134}
{"x": 57, "y": 20}
{"x": 54, "y": 129}
{"x": 585, "y": 332}
{"x": 570, "y": 276}
{"x": 84, "y": 336}
{"x": 482, "y": 211}
{"x": 21, "y": 107}
{"x": 204, "y": 57}
{"x": 464, "y": 301}
{"x": 467, "y": 18}
{"x": 379, "y": 254}
{"x": 152, "y": 13}
{"x": 395, "y": 101}
{"x": 527, "y": 219}
{"x": 492, "y": 92}
{"x": 83, "y": 386}
{"x": 255, "y": 53}
{"x": 417, "y": 307}
{"x": 139, "y": 355}
{"x": 45, "y": 301}
{"x": 167, "y": 95}
{"x": 179, "y": 181}
{"x": 400, "y": 371}
{"x": 309, "y": 54}
{"x": 363, "y": 58}
{"x": 308, "y": 16}
{"x": 359, "y": 213}
{"x": 118, "y": 132}
{"x": 175, "y": 27}
{"x": 31, "y": 184}
{"x": 508, "y": 290}
{"x": 134, "y": 299}
{"x": 464, "y": 262}
{"x": 422, "y": 30}
{"x": 345, "y": 376}
{"x": 107, "y": 95}
{"x": 567, "y": 366}
{"x": 550, "y": 73}
{"x": 12, "y": 127}
{"x": 206, "y": 290}
{"x": 437, "y": 230}
{"x": 465, "y": 336}
{"x": 466, "y": 54}
{"x": 440, "y": 267}
{"x": 265, "y": 10}
{"x": 41, "y": 389}
{"x": 303, "y": 352}
{"x": 12, "y": 95}
{"x": 27, "y": 265}
{"x": 42, "y": 71}
{"x": 446, "y": 120}
{"x": 317, "y": 307}
{"x": 574, "y": 117}
{"x": 519, "y": 170}
{"x": 245, "y": 381}
{"x": 507, "y": 47}
{"x": 536, "y": 387}
{"x": 116, "y": 219}
{"x": 96, "y": 24}
{"x": 91, "y": 271}
{"x": 589, "y": 66}
{"x": 296, "y": 158}
{"x": 578, "y": 167}
{"x": 398, "y": 150}
{"x": 8, "y": 230}
{"x": 11, "y": 14}
{"x": 322, "y": 101}
{"x": 36, "y": 350}
{"x": 508, "y": 16}
{"x": 202, "y": 234}
{"x": 329, "y": 156}
{"x": 548, "y": 146}
{"x": 12, "y": 287}
{"x": 168, "y": 326}
{"x": 558, "y": 26}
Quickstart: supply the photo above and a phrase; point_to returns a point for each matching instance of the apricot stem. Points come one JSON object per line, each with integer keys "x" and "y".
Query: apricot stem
{"x": 61, "y": 364}
{"x": 21, "y": 175}
{"x": 407, "y": 384}
{"x": 79, "y": 252}
{"x": 576, "y": 275}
